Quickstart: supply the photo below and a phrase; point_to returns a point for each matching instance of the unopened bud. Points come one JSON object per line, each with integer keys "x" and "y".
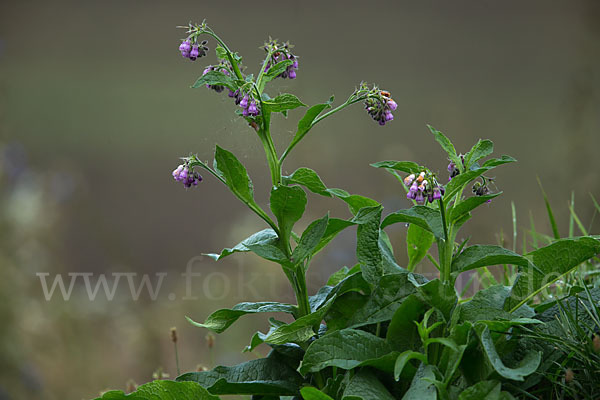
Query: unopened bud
{"x": 174, "y": 335}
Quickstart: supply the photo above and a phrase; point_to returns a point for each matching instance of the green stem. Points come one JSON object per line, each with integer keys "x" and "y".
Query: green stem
{"x": 445, "y": 246}
{"x": 236, "y": 68}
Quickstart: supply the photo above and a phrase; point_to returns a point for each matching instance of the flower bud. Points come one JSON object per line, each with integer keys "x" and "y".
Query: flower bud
{"x": 392, "y": 105}
{"x": 409, "y": 179}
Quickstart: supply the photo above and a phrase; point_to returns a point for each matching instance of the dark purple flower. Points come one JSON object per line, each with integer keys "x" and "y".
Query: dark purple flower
{"x": 437, "y": 193}
{"x": 380, "y": 106}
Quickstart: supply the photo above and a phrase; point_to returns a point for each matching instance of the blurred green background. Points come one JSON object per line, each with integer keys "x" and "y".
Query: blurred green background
{"x": 95, "y": 109}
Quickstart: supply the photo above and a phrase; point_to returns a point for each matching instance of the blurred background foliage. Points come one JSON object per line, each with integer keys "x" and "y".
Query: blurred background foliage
{"x": 95, "y": 109}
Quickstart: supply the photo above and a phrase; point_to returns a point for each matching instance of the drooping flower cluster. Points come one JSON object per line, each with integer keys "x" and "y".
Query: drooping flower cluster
{"x": 279, "y": 53}
{"x": 250, "y": 107}
{"x": 193, "y": 51}
{"x": 222, "y": 68}
{"x": 422, "y": 188}
{"x": 186, "y": 175}
{"x": 380, "y": 106}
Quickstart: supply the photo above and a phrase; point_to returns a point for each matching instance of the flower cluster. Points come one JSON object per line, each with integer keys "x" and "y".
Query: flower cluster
{"x": 193, "y": 51}
{"x": 222, "y": 68}
{"x": 183, "y": 173}
{"x": 246, "y": 102}
{"x": 281, "y": 53}
{"x": 422, "y": 188}
{"x": 380, "y": 106}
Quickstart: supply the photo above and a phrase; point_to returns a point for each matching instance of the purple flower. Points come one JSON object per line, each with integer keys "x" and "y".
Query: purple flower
{"x": 379, "y": 106}
{"x": 194, "y": 53}
{"x": 252, "y": 108}
{"x": 419, "y": 198}
{"x": 392, "y": 105}
{"x": 185, "y": 46}
{"x": 176, "y": 173}
{"x": 437, "y": 193}
{"x": 244, "y": 102}
{"x": 186, "y": 176}
{"x": 292, "y": 74}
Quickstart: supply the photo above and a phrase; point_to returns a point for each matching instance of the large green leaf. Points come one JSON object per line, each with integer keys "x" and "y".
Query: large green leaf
{"x": 162, "y": 390}
{"x": 288, "y": 204}
{"x": 310, "y": 240}
{"x": 222, "y": 319}
{"x": 464, "y": 207}
{"x": 437, "y": 294}
{"x": 266, "y": 236}
{"x": 384, "y": 300}
{"x": 364, "y": 385}
{"x": 408, "y": 167}
{"x": 422, "y": 387}
{"x": 425, "y": 217}
{"x": 447, "y": 146}
{"x": 551, "y": 262}
{"x": 234, "y": 174}
{"x": 309, "y": 179}
{"x": 479, "y": 256}
{"x": 273, "y": 72}
{"x": 265, "y": 376}
{"x": 418, "y": 242}
{"x": 283, "y": 102}
{"x": 481, "y": 149}
{"x": 347, "y": 349}
{"x": 215, "y": 78}
{"x": 270, "y": 252}
{"x": 402, "y": 333}
{"x": 334, "y": 226}
{"x": 487, "y": 304}
{"x": 485, "y": 390}
{"x": 528, "y": 365}
{"x": 367, "y": 243}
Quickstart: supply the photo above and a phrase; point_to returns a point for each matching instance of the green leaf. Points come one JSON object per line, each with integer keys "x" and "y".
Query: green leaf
{"x": 421, "y": 387}
{"x": 425, "y": 217}
{"x": 408, "y": 167}
{"x": 437, "y": 294}
{"x": 270, "y": 252}
{"x": 402, "y": 333}
{"x": 364, "y": 385}
{"x": 162, "y": 390}
{"x": 481, "y": 149}
{"x": 484, "y": 390}
{"x": 447, "y": 146}
{"x": 274, "y": 71}
{"x": 312, "y": 393}
{"x": 266, "y": 236}
{"x": 235, "y": 175}
{"x": 494, "y": 162}
{"x": 549, "y": 211}
{"x": 367, "y": 243}
{"x": 385, "y": 299}
{"x": 310, "y": 240}
{"x": 528, "y": 365}
{"x": 346, "y": 349}
{"x": 300, "y": 330}
{"x": 222, "y": 319}
{"x": 487, "y": 304}
{"x": 334, "y": 226}
{"x": 404, "y": 358}
{"x": 309, "y": 179}
{"x": 215, "y": 78}
{"x": 221, "y": 53}
{"x": 265, "y": 376}
{"x": 551, "y": 263}
{"x": 288, "y": 204}
{"x": 306, "y": 123}
{"x": 484, "y": 255}
{"x": 464, "y": 207}
{"x": 283, "y": 102}
{"x": 418, "y": 242}
{"x": 355, "y": 202}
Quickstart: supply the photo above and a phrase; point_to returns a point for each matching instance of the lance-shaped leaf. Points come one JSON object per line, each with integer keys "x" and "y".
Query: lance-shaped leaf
{"x": 334, "y": 226}
{"x": 479, "y": 256}
{"x": 282, "y": 103}
{"x": 222, "y": 319}
{"x": 464, "y": 207}
{"x": 364, "y": 385}
{"x": 309, "y": 179}
{"x": 418, "y": 243}
{"x": 235, "y": 175}
{"x": 528, "y": 365}
{"x": 346, "y": 349}
{"x": 408, "y": 167}
{"x": 310, "y": 239}
{"x": 270, "y": 252}
{"x": 551, "y": 263}
{"x": 273, "y": 72}
{"x": 162, "y": 390}
{"x": 288, "y": 204}
{"x": 355, "y": 202}
{"x": 485, "y": 390}
{"x": 402, "y": 333}
{"x": 217, "y": 78}
{"x": 312, "y": 393}
{"x": 447, "y": 146}
{"x": 422, "y": 386}
{"x": 481, "y": 149}
{"x": 266, "y": 236}
{"x": 463, "y": 178}
{"x": 265, "y": 376}
{"x": 306, "y": 123}
{"x": 425, "y": 217}
{"x": 367, "y": 242}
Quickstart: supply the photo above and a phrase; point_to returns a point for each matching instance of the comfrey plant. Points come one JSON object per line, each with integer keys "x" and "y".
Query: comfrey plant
{"x": 376, "y": 330}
